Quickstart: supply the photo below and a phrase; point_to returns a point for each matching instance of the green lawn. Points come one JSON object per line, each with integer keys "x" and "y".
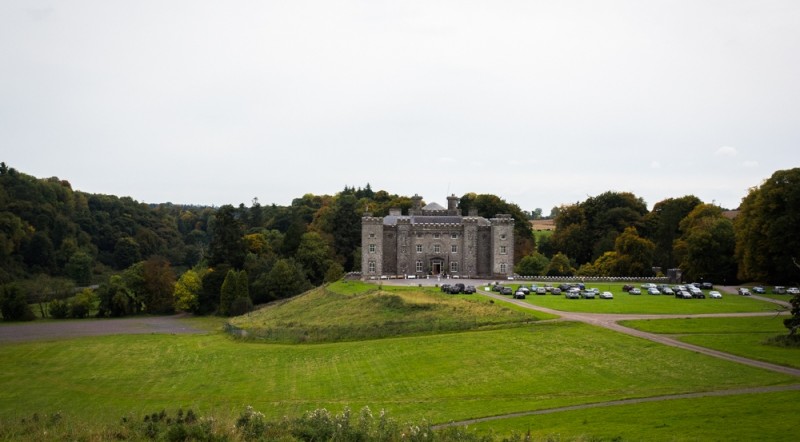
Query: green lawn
{"x": 441, "y": 377}
{"x": 648, "y": 304}
{"x": 749, "y": 417}
{"x": 740, "y": 336}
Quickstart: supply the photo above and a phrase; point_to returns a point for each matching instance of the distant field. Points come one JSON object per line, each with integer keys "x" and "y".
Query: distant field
{"x": 648, "y": 304}
{"x": 438, "y": 377}
{"x": 740, "y": 336}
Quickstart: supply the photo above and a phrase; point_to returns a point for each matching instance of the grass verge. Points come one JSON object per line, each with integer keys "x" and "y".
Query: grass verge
{"x": 746, "y": 337}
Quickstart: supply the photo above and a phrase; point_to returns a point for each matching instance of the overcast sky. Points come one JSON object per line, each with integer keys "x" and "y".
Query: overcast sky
{"x": 542, "y": 103}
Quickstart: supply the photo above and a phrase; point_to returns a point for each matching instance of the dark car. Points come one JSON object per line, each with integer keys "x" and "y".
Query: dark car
{"x": 758, "y": 289}
{"x": 706, "y": 286}
{"x": 524, "y": 289}
{"x": 779, "y": 290}
{"x": 497, "y": 288}
{"x": 470, "y": 289}
{"x": 506, "y": 291}
{"x": 698, "y": 295}
{"x": 519, "y": 294}
{"x": 555, "y": 291}
{"x": 445, "y": 288}
{"x": 456, "y": 288}
{"x": 627, "y": 287}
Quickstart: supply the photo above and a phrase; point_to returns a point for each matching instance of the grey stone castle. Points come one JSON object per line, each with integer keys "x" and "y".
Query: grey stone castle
{"x": 432, "y": 240}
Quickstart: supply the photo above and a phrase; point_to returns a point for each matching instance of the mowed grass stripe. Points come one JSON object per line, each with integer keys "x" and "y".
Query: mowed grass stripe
{"x": 440, "y": 377}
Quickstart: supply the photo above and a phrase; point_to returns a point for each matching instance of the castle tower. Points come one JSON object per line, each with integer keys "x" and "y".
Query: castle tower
{"x": 502, "y": 238}
{"x": 371, "y": 246}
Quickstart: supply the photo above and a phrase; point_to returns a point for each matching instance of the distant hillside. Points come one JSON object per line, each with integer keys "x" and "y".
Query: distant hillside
{"x": 348, "y": 311}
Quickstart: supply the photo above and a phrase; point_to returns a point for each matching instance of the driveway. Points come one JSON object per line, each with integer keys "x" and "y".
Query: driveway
{"x": 38, "y": 331}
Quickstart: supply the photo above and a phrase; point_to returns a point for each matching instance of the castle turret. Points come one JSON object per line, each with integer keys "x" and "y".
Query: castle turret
{"x": 452, "y": 205}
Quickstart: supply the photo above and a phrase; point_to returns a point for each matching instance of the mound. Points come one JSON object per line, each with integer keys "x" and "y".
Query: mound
{"x": 356, "y": 311}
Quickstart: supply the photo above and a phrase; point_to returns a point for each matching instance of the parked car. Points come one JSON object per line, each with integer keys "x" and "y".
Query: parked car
{"x": 713, "y": 294}
{"x": 519, "y": 294}
{"x": 627, "y": 287}
{"x": 758, "y": 289}
{"x": 445, "y": 288}
{"x": 779, "y": 290}
{"x": 667, "y": 291}
{"x": 506, "y": 291}
{"x": 634, "y": 291}
{"x": 555, "y": 291}
{"x": 548, "y": 288}
{"x": 572, "y": 294}
{"x": 793, "y": 291}
{"x": 743, "y": 291}
{"x": 497, "y": 288}
{"x": 706, "y": 285}
{"x": 606, "y": 295}
{"x": 698, "y": 294}
{"x": 648, "y": 285}
{"x": 683, "y": 294}
{"x": 587, "y": 294}
{"x": 456, "y": 288}
{"x": 470, "y": 289}
{"x": 653, "y": 291}
{"x": 541, "y": 291}
{"x": 524, "y": 289}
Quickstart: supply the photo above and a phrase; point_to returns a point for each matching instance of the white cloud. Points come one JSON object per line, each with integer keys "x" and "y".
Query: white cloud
{"x": 726, "y": 151}
{"x": 655, "y": 165}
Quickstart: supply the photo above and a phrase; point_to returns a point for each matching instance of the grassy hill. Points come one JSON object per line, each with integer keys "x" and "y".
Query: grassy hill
{"x": 348, "y": 311}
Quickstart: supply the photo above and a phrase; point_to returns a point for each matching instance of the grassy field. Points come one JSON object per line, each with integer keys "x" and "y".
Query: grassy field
{"x": 648, "y": 304}
{"x": 440, "y": 378}
{"x": 742, "y": 417}
{"x": 356, "y": 311}
{"x": 740, "y": 336}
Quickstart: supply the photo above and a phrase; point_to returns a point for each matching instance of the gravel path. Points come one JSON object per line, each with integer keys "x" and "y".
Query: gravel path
{"x": 34, "y": 331}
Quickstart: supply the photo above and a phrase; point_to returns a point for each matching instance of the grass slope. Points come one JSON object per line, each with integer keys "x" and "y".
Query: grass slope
{"x": 438, "y": 377}
{"x": 356, "y": 311}
{"x": 744, "y": 417}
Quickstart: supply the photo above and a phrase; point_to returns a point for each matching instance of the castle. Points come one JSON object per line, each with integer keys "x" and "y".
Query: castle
{"x": 432, "y": 240}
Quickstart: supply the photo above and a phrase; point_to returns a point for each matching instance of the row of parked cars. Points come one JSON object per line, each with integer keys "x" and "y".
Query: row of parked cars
{"x": 456, "y": 289}
{"x": 570, "y": 291}
{"x": 688, "y": 291}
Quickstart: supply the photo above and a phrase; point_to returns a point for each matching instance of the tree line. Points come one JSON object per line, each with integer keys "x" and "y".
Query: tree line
{"x": 156, "y": 258}
{"x": 613, "y": 234}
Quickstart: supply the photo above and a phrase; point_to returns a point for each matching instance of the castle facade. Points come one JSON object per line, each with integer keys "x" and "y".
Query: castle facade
{"x": 432, "y": 240}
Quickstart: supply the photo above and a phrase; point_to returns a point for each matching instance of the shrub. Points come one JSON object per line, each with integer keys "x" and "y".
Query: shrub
{"x": 240, "y": 306}
{"x": 59, "y": 309}
{"x": 14, "y": 304}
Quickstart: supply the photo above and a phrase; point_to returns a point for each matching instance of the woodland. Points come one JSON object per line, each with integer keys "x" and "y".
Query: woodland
{"x": 71, "y": 254}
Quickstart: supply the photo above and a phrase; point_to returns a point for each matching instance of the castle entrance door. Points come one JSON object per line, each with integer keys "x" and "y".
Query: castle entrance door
{"x": 436, "y": 266}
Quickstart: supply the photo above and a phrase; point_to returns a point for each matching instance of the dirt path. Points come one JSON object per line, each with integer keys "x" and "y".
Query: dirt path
{"x": 755, "y": 390}
{"x": 95, "y": 327}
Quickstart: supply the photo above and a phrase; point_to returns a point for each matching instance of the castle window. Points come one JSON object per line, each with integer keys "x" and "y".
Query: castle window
{"x": 372, "y": 266}
{"x": 419, "y": 248}
{"x": 437, "y": 248}
{"x": 454, "y": 266}
{"x": 454, "y": 235}
{"x": 419, "y": 235}
{"x": 503, "y": 250}
{"x": 372, "y": 248}
{"x": 453, "y": 248}
{"x": 372, "y": 235}
{"x": 503, "y": 236}
{"x": 419, "y": 266}
{"x": 502, "y": 267}
{"x": 436, "y": 236}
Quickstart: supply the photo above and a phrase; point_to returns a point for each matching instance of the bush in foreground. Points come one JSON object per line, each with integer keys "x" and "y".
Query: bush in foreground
{"x": 318, "y": 425}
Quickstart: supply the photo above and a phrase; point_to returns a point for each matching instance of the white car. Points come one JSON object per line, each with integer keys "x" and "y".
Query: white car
{"x": 792, "y": 291}
{"x": 606, "y": 295}
{"x": 713, "y": 294}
